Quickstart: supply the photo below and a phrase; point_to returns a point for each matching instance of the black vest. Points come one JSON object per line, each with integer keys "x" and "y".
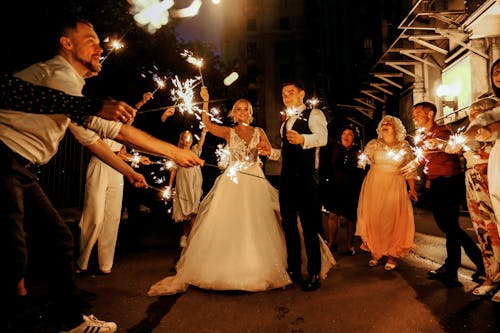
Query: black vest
{"x": 296, "y": 160}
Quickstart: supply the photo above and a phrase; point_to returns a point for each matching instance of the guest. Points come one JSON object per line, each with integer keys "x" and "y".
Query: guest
{"x": 243, "y": 204}
{"x": 188, "y": 186}
{"x": 385, "y": 213}
{"x": 102, "y": 207}
{"x": 303, "y": 132}
{"x": 343, "y": 184}
{"x": 479, "y": 201}
{"x": 445, "y": 187}
{"x": 30, "y": 139}
{"x": 485, "y": 127}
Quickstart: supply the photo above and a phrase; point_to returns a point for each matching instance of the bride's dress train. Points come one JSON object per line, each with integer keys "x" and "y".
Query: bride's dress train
{"x": 237, "y": 242}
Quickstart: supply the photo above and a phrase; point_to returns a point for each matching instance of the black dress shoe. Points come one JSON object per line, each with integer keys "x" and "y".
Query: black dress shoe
{"x": 441, "y": 273}
{"x": 312, "y": 283}
{"x": 447, "y": 277}
{"x": 296, "y": 277}
{"x": 479, "y": 276}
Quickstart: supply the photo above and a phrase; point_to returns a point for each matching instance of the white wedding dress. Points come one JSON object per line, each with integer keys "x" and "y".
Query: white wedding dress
{"x": 237, "y": 242}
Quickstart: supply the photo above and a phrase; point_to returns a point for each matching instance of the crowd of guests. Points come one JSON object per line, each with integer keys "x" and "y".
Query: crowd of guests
{"x": 276, "y": 236}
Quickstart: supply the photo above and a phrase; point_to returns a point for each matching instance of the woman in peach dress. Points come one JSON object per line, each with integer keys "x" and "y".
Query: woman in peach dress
{"x": 385, "y": 213}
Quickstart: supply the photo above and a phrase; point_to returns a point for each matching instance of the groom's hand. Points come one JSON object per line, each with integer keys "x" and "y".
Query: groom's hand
{"x": 294, "y": 137}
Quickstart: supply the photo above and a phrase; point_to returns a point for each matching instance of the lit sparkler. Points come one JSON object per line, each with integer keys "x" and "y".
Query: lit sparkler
{"x": 115, "y": 45}
{"x": 183, "y": 95}
{"x": 198, "y": 62}
{"x": 160, "y": 83}
{"x": 457, "y": 141}
{"x": 313, "y": 102}
{"x": 363, "y": 160}
{"x": 291, "y": 111}
{"x": 135, "y": 160}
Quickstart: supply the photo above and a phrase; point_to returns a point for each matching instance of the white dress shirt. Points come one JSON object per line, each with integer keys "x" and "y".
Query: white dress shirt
{"x": 319, "y": 132}
{"x": 36, "y": 137}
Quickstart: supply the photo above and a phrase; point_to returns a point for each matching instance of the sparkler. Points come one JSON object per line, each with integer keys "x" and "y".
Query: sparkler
{"x": 363, "y": 160}
{"x": 289, "y": 112}
{"x": 115, "y": 45}
{"x": 198, "y": 62}
{"x": 183, "y": 93}
{"x": 160, "y": 83}
{"x": 458, "y": 141}
{"x": 313, "y": 102}
{"x": 162, "y": 108}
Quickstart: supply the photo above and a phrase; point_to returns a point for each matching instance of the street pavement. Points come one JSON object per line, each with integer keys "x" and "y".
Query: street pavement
{"x": 353, "y": 298}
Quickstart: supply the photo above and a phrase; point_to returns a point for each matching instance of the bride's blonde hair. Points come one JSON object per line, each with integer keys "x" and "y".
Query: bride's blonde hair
{"x": 250, "y": 110}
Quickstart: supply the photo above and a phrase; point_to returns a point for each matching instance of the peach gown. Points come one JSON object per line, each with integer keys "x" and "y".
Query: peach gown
{"x": 385, "y": 213}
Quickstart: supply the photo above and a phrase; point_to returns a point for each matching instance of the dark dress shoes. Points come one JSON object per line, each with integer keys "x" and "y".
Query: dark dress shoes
{"x": 479, "y": 276}
{"x": 441, "y": 273}
{"x": 447, "y": 277}
{"x": 295, "y": 277}
{"x": 312, "y": 283}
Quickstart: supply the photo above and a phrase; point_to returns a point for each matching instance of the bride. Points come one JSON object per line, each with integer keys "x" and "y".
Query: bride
{"x": 237, "y": 242}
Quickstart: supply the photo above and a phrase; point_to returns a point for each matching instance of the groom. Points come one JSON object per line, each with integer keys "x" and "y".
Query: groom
{"x": 303, "y": 132}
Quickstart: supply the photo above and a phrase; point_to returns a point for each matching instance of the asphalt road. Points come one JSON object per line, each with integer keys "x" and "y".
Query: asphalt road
{"x": 353, "y": 298}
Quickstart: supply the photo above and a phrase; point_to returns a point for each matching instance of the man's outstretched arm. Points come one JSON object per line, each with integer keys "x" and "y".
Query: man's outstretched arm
{"x": 20, "y": 95}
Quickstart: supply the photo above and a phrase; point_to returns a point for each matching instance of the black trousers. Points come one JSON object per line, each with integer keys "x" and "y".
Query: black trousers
{"x": 445, "y": 195}
{"x": 299, "y": 198}
{"x": 25, "y": 210}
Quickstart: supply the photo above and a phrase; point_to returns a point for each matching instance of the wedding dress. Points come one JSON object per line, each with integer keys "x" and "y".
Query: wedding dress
{"x": 237, "y": 242}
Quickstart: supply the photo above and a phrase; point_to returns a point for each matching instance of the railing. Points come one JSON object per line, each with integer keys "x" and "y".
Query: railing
{"x": 63, "y": 178}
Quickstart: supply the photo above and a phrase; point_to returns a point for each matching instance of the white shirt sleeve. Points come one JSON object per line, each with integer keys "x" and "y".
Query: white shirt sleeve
{"x": 84, "y": 135}
{"x": 104, "y": 128}
{"x": 318, "y": 127}
{"x": 275, "y": 154}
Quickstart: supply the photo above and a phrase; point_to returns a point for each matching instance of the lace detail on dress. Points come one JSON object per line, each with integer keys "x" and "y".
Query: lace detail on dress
{"x": 240, "y": 152}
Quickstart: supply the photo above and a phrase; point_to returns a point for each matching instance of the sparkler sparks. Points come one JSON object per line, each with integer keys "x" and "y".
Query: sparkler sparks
{"x": 313, "y": 102}
{"x": 291, "y": 111}
{"x": 115, "y": 45}
{"x": 160, "y": 83}
{"x": 183, "y": 95}
{"x": 458, "y": 141}
{"x": 198, "y": 62}
{"x": 363, "y": 160}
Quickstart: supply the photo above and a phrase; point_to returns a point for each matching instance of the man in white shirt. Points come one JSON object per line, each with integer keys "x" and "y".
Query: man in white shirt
{"x": 28, "y": 139}
{"x": 302, "y": 133}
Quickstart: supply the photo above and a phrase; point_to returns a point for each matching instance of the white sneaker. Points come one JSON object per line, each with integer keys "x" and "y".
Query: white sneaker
{"x": 183, "y": 242}
{"x": 94, "y": 325}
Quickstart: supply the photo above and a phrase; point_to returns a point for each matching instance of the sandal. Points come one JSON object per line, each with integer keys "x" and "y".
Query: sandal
{"x": 496, "y": 297}
{"x": 483, "y": 290}
{"x": 390, "y": 264}
{"x": 373, "y": 262}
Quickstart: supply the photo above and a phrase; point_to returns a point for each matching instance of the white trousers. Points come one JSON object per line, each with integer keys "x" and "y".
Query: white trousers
{"x": 101, "y": 213}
